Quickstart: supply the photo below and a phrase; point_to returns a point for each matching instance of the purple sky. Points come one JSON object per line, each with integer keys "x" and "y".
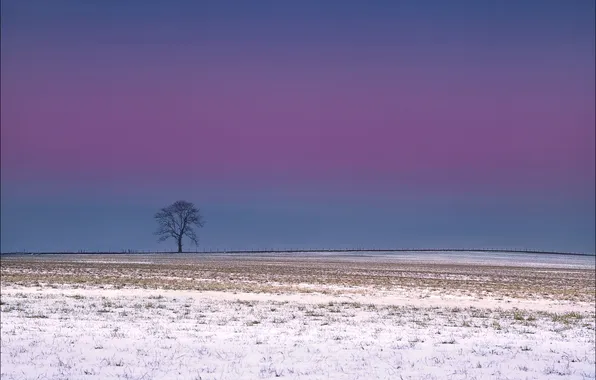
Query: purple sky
{"x": 238, "y": 103}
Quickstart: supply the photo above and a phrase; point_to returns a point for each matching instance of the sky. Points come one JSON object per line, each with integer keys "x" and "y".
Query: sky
{"x": 299, "y": 124}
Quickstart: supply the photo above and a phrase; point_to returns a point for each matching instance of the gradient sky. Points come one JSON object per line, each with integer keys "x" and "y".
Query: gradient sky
{"x": 299, "y": 124}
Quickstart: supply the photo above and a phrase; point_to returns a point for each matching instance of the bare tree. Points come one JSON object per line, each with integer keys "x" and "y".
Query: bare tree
{"x": 178, "y": 220}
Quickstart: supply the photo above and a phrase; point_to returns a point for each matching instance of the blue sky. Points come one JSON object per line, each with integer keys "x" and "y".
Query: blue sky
{"x": 299, "y": 124}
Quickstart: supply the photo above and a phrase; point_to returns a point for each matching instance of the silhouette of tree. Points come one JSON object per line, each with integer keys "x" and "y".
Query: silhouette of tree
{"x": 178, "y": 220}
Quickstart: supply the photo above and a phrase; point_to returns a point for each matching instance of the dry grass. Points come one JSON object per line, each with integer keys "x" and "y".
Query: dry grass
{"x": 269, "y": 274}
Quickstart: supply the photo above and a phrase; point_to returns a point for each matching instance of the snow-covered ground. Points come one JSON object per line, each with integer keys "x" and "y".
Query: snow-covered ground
{"x": 88, "y": 334}
{"x": 357, "y": 317}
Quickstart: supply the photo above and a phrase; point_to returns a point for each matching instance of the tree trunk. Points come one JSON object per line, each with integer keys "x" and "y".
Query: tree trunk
{"x": 180, "y": 245}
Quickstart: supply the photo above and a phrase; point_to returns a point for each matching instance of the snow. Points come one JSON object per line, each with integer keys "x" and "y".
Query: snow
{"x": 158, "y": 334}
{"x": 369, "y": 316}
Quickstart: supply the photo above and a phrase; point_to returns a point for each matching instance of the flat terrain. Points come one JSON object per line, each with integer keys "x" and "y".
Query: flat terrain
{"x": 302, "y": 316}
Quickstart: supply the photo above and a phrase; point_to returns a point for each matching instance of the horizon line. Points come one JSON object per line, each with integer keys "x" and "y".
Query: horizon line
{"x": 333, "y": 250}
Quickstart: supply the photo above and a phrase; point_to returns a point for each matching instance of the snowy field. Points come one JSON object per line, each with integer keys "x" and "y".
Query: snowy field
{"x": 314, "y": 317}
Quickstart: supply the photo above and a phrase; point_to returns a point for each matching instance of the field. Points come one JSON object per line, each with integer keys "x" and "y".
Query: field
{"x": 300, "y": 316}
